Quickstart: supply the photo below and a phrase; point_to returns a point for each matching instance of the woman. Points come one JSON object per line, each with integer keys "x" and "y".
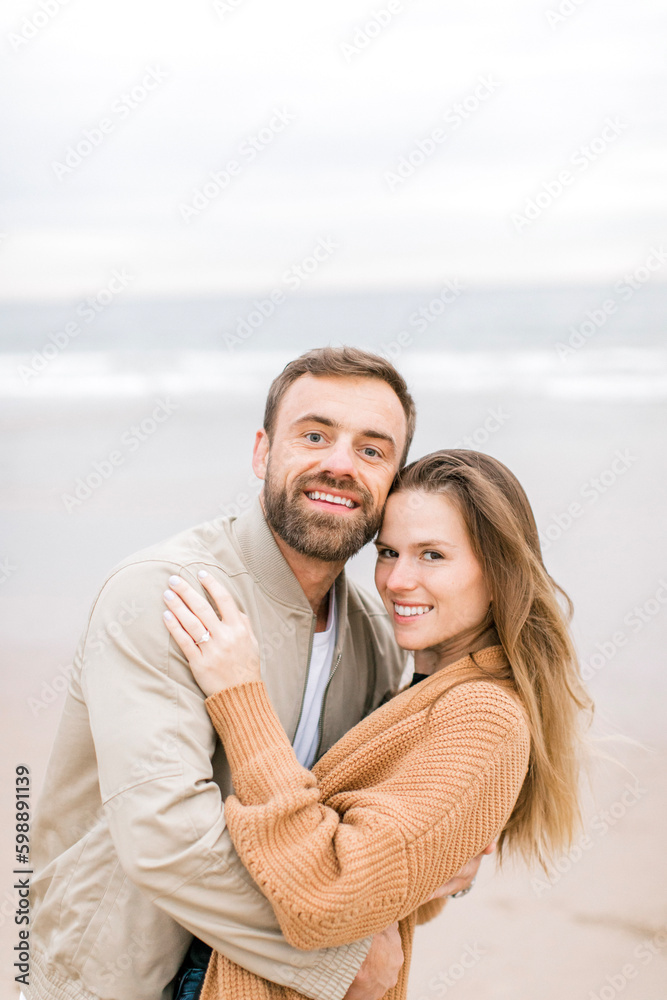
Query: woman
{"x": 482, "y": 745}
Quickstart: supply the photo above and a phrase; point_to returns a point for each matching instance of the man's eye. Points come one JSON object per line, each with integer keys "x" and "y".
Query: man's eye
{"x": 431, "y": 556}
{"x": 314, "y": 434}
{"x": 371, "y": 452}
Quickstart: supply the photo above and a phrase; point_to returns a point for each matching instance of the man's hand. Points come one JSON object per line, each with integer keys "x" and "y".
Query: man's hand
{"x": 464, "y": 878}
{"x": 381, "y": 967}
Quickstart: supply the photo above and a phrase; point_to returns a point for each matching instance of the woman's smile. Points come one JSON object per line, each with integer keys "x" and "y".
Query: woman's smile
{"x": 406, "y": 613}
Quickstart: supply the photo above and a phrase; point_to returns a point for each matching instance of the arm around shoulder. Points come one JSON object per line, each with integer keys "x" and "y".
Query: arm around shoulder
{"x": 154, "y": 744}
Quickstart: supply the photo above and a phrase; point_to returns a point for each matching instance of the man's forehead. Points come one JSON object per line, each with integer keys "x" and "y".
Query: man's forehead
{"x": 330, "y": 395}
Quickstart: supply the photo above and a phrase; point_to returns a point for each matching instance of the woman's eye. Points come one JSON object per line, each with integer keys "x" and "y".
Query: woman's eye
{"x": 314, "y": 434}
{"x": 431, "y": 556}
{"x": 387, "y": 553}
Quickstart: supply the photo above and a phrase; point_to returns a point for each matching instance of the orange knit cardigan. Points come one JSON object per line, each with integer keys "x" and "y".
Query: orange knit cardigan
{"x": 386, "y": 816}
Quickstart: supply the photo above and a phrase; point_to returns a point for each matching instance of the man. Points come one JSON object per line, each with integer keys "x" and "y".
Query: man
{"x": 133, "y": 856}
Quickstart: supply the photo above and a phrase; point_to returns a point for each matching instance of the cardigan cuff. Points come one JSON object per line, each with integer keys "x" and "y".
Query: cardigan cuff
{"x": 260, "y": 756}
{"x": 332, "y": 978}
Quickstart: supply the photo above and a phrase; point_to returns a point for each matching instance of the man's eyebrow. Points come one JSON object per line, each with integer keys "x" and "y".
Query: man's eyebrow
{"x": 317, "y": 418}
{"x": 379, "y": 436}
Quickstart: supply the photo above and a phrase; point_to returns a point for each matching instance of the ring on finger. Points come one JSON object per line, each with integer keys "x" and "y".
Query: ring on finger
{"x": 206, "y": 636}
{"x": 463, "y": 892}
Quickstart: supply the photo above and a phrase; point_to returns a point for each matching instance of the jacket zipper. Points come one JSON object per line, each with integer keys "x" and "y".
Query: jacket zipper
{"x": 320, "y": 724}
{"x": 303, "y": 693}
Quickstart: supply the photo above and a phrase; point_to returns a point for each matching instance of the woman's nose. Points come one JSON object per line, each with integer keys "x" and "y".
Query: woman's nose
{"x": 402, "y": 577}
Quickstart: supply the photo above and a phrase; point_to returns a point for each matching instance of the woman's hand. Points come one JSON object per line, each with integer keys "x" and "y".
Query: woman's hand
{"x": 464, "y": 880}
{"x": 222, "y": 651}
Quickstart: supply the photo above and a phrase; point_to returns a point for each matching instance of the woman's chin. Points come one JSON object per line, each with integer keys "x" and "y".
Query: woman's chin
{"x": 411, "y": 643}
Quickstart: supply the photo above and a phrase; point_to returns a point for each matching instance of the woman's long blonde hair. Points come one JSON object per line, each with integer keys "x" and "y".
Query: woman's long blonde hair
{"x": 534, "y": 633}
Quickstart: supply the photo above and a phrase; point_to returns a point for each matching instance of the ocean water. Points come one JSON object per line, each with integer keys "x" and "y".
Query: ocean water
{"x": 605, "y": 342}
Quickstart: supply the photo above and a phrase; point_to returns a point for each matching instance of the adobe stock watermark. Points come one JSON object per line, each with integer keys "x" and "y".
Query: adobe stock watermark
{"x": 218, "y": 181}
{"x": 580, "y": 160}
{"x": 590, "y": 491}
{"x": 131, "y": 440}
{"x": 564, "y": 10}
{"x": 371, "y": 29}
{"x": 624, "y": 289}
{"x": 446, "y": 980}
{"x": 165, "y": 755}
{"x": 87, "y": 311}
{"x": 642, "y": 955}
{"x": 50, "y": 691}
{"x": 122, "y": 964}
{"x": 225, "y": 7}
{"x": 452, "y": 119}
{"x": 85, "y": 821}
{"x": 33, "y": 24}
{"x": 233, "y": 508}
{"x": 494, "y": 420}
{"x": 421, "y": 319}
{"x": 635, "y": 620}
{"x": 121, "y": 109}
{"x": 7, "y": 570}
{"x": 599, "y": 826}
{"x": 292, "y": 280}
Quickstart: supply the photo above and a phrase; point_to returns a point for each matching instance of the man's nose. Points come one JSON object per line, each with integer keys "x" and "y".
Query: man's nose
{"x": 341, "y": 460}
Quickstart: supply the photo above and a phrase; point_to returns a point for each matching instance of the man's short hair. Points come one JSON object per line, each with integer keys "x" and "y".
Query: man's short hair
{"x": 341, "y": 362}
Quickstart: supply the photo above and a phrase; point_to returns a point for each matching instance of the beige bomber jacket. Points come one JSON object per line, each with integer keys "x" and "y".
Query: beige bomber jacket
{"x": 131, "y": 851}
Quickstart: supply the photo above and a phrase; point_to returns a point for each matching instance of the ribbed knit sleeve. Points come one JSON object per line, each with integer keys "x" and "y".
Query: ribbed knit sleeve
{"x": 339, "y": 868}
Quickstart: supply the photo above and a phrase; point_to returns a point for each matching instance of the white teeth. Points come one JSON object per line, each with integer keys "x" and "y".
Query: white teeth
{"x": 330, "y": 498}
{"x": 406, "y": 610}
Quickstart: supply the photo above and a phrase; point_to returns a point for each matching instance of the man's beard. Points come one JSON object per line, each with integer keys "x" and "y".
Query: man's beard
{"x": 329, "y": 537}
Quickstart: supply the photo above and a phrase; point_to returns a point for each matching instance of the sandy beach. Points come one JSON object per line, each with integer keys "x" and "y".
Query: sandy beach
{"x": 593, "y": 469}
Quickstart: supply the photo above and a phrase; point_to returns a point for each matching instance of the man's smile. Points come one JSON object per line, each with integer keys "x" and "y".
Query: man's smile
{"x": 330, "y": 500}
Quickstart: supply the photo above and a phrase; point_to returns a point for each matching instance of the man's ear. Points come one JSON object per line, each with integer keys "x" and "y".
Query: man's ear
{"x": 260, "y": 454}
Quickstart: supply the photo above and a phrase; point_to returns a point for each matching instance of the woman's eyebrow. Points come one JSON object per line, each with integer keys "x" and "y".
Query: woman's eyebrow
{"x": 436, "y": 543}
{"x": 429, "y": 543}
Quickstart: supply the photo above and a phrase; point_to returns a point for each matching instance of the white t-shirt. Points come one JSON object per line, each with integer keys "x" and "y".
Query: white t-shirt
{"x": 321, "y": 659}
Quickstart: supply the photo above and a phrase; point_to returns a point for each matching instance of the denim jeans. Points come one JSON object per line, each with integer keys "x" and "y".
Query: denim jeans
{"x": 190, "y": 977}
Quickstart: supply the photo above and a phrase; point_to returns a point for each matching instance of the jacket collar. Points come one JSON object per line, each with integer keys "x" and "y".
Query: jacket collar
{"x": 268, "y": 566}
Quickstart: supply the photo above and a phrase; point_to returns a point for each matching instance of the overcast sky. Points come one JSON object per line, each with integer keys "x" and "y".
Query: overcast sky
{"x": 317, "y": 104}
